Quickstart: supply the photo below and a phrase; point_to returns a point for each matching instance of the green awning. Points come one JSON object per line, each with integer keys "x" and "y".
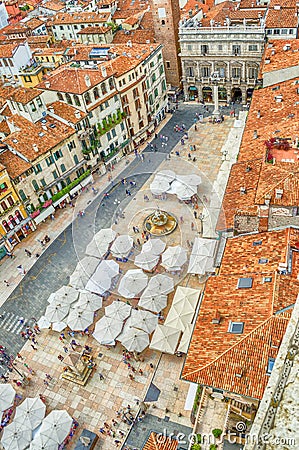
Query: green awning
{"x": 193, "y": 88}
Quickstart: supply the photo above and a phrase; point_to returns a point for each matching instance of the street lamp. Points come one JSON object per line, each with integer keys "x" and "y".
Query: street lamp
{"x": 201, "y": 218}
{"x": 215, "y": 80}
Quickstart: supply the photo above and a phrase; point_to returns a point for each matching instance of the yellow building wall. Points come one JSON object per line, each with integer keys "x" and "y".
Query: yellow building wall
{"x": 35, "y": 79}
{"x": 10, "y": 191}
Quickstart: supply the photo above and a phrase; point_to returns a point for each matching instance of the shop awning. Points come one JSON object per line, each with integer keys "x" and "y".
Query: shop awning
{"x": 87, "y": 180}
{"x": 75, "y": 189}
{"x": 43, "y": 215}
{"x": 192, "y": 88}
{"x": 64, "y": 197}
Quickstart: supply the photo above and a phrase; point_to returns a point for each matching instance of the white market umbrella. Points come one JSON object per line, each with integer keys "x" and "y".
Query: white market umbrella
{"x": 79, "y": 319}
{"x": 99, "y": 283}
{"x": 143, "y": 320}
{"x": 56, "y": 312}
{"x": 30, "y": 412}
{"x": 186, "y": 296}
{"x": 56, "y": 425}
{"x": 118, "y": 310}
{"x": 84, "y": 270}
{"x": 174, "y": 257}
{"x": 132, "y": 283}
{"x": 179, "y": 316}
{"x": 186, "y": 338}
{"x": 58, "y": 326}
{"x": 159, "y": 186}
{"x": 41, "y": 442}
{"x": 43, "y": 323}
{"x": 100, "y": 242}
{"x": 7, "y": 396}
{"x": 146, "y": 260}
{"x": 16, "y": 437}
{"x": 89, "y": 301}
{"x": 122, "y": 246}
{"x": 165, "y": 339}
{"x": 135, "y": 340}
{"x": 189, "y": 180}
{"x": 51, "y": 297}
{"x": 183, "y": 191}
{"x": 159, "y": 284}
{"x": 66, "y": 294}
{"x": 107, "y": 329}
{"x": 155, "y": 246}
{"x": 109, "y": 267}
{"x": 168, "y": 175}
{"x": 153, "y": 303}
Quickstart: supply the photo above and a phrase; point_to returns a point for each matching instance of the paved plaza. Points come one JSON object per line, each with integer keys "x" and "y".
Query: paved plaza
{"x": 99, "y": 400}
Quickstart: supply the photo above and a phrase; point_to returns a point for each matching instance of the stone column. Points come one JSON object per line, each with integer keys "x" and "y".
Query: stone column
{"x": 216, "y": 100}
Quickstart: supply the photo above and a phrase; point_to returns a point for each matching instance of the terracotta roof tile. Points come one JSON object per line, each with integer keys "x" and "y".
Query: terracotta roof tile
{"x": 238, "y": 362}
{"x": 7, "y": 50}
{"x": 54, "y": 5}
{"x": 20, "y": 94}
{"x": 155, "y": 442}
{"x": 72, "y": 79}
{"x": 82, "y": 17}
{"x": 67, "y": 112}
{"x": 135, "y": 36}
{"x": 276, "y": 56}
{"x": 282, "y": 18}
{"x": 32, "y": 134}
{"x": 94, "y": 30}
{"x": 14, "y": 165}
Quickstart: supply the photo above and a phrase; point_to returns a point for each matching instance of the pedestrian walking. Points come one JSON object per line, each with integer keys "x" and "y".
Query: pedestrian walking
{"x": 151, "y": 365}
{"x": 34, "y": 348}
{"x": 21, "y": 270}
{"x": 21, "y": 320}
{"x": 48, "y": 376}
{"x": 20, "y": 356}
{"x": 28, "y": 253}
{"x": 195, "y": 214}
{"x": 52, "y": 217}
{"x": 46, "y": 383}
{"x": 192, "y": 226}
{"x": 10, "y": 255}
{"x": 140, "y": 371}
{"x": 6, "y": 283}
{"x": 66, "y": 350}
{"x": 101, "y": 376}
{"x": 60, "y": 357}
{"x": 182, "y": 219}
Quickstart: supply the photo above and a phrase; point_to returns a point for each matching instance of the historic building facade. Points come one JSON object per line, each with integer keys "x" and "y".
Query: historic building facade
{"x": 234, "y": 53}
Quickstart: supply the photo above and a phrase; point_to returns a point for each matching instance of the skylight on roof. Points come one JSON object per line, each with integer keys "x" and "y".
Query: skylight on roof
{"x": 236, "y": 327}
{"x": 271, "y": 362}
{"x": 244, "y": 283}
{"x": 98, "y": 52}
{"x": 255, "y": 243}
{"x": 263, "y": 260}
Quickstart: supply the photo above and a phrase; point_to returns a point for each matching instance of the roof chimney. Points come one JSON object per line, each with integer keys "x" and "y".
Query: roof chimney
{"x": 35, "y": 148}
{"x": 217, "y": 317}
{"x": 87, "y": 80}
{"x": 44, "y": 127}
{"x": 47, "y": 84}
{"x": 103, "y": 70}
{"x": 255, "y": 135}
{"x": 77, "y": 114}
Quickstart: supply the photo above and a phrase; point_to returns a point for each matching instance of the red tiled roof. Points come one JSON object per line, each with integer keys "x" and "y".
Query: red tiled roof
{"x": 67, "y": 112}
{"x": 278, "y": 57}
{"x": 282, "y": 18}
{"x": 238, "y": 362}
{"x": 158, "y": 442}
{"x": 14, "y": 165}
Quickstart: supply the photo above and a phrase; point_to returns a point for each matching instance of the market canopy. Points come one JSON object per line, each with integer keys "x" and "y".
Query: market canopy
{"x": 135, "y": 340}
{"x": 89, "y": 301}
{"x": 168, "y": 175}
{"x": 56, "y": 312}
{"x": 182, "y": 191}
{"x": 202, "y": 256}
{"x": 66, "y": 295}
{"x": 155, "y": 246}
{"x": 100, "y": 243}
{"x": 153, "y": 303}
{"x": 7, "y": 396}
{"x": 118, "y": 310}
{"x": 56, "y": 425}
{"x": 189, "y": 180}
{"x": 144, "y": 320}
{"x": 165, "y": 339}
{"x": 174, "y": 258}
{"x": 107, "y": 329}
{"x": 146, "y": 260}
{"x": 84, "y": 270}
{"x": 132, "y": 283}
{"x": 109, "y": 268}
{"x": 43, "y": 322}
{"x": 43, "y": 442}
{"x": 99, "y": 283}
{"x": 80, "y": 319}
{"x": 122, "y": 246}
{"x": 159, "y": 186}
{"x": 16, "y": 437}
{"x": 58, "y": 326}
{"x": 30, "y": 412}
{"x": 159, "y": 284}
{"x": 179, "y": 317}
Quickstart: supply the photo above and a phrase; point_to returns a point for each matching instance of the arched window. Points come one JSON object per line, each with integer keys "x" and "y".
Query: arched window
{"x": 62, "y": 167}
{"x": 12, "y": 220}
{"x": 35, "y": 185}
{"x": 68, "y": 99}
{"x": 104, "y": 88}
{"x": 96, "y": 93}
{"x": 22, "y": 195}
{"x": 76, "y": 160}
{"x": 77, "y": 100}
{"x": 87, "y": 98}
{"x": 5, "y": 225}
{"x": 19, "y": 215}
{"x": 60, "y": 96}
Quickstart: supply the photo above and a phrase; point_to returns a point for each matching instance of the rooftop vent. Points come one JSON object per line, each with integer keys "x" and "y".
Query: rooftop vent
{"x": 35, "y": 148}
{"x": 255, "y": 135}
{"x": 217, "y": 318}
{"x": 278, "y": 98}
{"x": 47, "y": 84}
{"x": 286, "y": 47}
{"x": 243, "y": 190}
{"x": 278, "y": 193}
